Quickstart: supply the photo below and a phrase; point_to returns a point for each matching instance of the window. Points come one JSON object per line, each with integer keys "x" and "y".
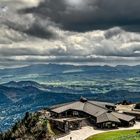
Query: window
{"x": 75, "y": 113}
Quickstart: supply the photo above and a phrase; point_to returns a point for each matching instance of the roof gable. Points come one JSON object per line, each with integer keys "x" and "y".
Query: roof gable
{"x": 93, "y": 109}
{"x": 123, "y": 116}
{"x": 74, "y": 105}
{"x": 106, "y": 117}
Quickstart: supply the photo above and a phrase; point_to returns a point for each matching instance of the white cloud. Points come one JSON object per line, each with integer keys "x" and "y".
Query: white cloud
{"x": 32, "y": 2}
{"x": 29, "y": 3}
{"x": 70, "y": 47}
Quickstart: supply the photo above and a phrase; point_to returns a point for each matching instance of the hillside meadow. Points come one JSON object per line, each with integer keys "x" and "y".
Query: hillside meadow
{"x": 117, "y": 135}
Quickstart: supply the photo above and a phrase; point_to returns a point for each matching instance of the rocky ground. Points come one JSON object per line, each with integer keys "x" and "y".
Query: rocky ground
{"x": 34, "y": 126}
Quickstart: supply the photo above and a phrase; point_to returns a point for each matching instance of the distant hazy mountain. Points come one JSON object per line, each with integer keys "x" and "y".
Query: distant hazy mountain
{"x": 56, "y": 68}
{"x": 45, "y": 73}
{"x": 22, "y": 84}
{"x": 16, "y": 91}
{"x": 39, "y": 69}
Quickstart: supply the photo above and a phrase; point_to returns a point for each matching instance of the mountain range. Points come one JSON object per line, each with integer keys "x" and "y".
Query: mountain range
{"x": 39, "y": 86}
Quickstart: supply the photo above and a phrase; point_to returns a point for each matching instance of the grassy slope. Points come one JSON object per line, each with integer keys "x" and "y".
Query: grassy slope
{"x": 117, "y": 135}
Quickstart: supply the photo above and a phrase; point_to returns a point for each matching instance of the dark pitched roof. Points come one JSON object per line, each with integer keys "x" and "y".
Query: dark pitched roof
{"x": 59, "y": 105}
{"x": 87, "y": 107}
{"x": 123, "y": 117}
{"x": 74, "y": 105}
{"x": 93, "y": 109}
{"x": 106, "y": 117}
{"x": 102, "y": 104}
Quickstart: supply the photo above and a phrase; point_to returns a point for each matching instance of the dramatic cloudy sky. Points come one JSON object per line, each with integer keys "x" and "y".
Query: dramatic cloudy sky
{"x": 69, "y": 31}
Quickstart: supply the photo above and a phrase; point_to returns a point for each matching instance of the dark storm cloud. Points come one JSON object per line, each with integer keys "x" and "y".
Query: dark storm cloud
{"x": 90, "y": 14}
{"x": 33, "y": 32}
{"x": 39, "y": 31}
{"x": 25, "y": 23}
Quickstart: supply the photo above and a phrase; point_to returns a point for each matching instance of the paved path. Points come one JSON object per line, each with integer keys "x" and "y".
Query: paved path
{"x": 88, "y": 131}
